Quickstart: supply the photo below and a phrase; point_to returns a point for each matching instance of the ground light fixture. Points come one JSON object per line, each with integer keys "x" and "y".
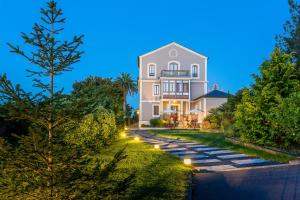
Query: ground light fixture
{"x": 126, "y": 129}
{"x": 156, "y": 146}
{"x": 187, "y": 161}
{"x": 136, "y": 138}
{"x": 123, "y": 135}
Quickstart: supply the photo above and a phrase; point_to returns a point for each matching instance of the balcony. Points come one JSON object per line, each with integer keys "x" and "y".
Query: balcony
{"x": 175, "y": 73}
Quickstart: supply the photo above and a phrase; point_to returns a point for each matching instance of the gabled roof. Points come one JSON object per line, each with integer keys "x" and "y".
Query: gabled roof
{"x": 214, "y": 94}
{"x": 178, "y": 45}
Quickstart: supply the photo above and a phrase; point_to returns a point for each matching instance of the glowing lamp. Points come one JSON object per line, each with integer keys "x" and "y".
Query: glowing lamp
{"x": 136, "y": 138}
{"x": 123, "y": 134}
{"x": 187, "y": 161}
{"x": 126, "y": 129}
{"x": 156, "y": 146}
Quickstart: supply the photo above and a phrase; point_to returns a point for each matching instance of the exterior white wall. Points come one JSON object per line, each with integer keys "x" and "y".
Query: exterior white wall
{"x": 214, "y": 103}
{"x": 161, "y": 58}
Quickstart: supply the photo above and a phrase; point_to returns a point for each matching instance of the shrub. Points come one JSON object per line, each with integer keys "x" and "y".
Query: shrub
{"x": 286, "y": 121}
{"x": 98, "y": 128}
{"x": 156, "y": 122}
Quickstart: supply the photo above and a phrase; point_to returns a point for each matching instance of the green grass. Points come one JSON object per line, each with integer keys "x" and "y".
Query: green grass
{"x": 158, "y": 175}
{"x": 218, "y": 140}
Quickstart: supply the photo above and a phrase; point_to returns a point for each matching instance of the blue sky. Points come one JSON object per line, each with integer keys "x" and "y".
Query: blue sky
{"x": 236, "y": 35}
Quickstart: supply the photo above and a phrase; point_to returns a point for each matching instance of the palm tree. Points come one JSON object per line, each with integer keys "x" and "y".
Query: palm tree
{"x": 129, "y": 87}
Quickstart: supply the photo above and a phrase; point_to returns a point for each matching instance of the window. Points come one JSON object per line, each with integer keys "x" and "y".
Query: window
{"x": 166, "y": 87}
{"x": 155, "y": 111}
{"x": 172, "y": 87}
{"x": 194, "y": 71}
{"x": 156, "y": 89}
{"x": 173, "y": 66}
{"x": 179, "y": 87}
{"x": 151, "y": 70}
{"x": 185, "y": 88}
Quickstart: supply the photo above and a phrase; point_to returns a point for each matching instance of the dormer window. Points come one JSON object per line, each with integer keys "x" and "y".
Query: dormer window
{"x": 195, "y": 70}
{"x": 151, "y": 70}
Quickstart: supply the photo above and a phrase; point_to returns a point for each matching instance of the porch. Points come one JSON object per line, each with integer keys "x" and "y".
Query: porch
{"x": 177, "y": 113}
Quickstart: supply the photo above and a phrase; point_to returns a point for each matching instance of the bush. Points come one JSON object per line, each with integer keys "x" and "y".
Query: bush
{"x": 157, "y": 122}
{"x": 98, "y": 128}
{"x": 286, "y": 121}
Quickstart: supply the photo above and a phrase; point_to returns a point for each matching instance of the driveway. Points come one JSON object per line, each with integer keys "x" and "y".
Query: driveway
{"x": 270, "y": 183}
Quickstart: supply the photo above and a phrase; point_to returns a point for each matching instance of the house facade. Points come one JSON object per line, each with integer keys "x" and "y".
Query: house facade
{"x": 174, "y": 78}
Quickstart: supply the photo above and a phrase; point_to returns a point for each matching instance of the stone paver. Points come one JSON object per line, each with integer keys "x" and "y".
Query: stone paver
{"x": 204, "y": 157}
{"x": 232, "y": 156}
{"x": 249, "y": 161}
{"x": 218, "y": 152}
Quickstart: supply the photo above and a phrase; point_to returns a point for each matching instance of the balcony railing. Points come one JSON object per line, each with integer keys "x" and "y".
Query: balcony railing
{"x": 175, "y": 73}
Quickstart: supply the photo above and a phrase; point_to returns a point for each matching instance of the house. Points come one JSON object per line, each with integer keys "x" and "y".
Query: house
{"x": 173, "y": 79}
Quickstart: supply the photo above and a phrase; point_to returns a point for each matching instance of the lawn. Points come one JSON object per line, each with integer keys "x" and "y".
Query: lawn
{"x": 158, "y": 175}
{"x": 218, "y": 140}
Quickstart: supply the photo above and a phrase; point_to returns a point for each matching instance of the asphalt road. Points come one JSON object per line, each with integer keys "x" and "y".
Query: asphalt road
{"x": 256, "y": 184}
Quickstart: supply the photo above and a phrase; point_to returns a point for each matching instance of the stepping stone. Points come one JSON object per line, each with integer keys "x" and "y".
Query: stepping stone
{"x": 233, "y": 156}
{"x": 196, "y": 146}
{"x": 217, "y": 168}
{"x": 206, "y": 149}
{"x": 172, "y": 145}
{"x": 182, "y": 152}
{"x": 249, "y": 161}
{"x": 205, "y": 161}
{"x": 175, "y": 149}
{"x": 218, "y": 152}
{"x": 193, "y": 156}
{"x": 187, "y": 143}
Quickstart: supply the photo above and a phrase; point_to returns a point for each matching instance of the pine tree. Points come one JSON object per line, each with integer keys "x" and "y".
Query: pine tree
{"x": 52, "y": 56}
{"x": 45, "y": 165}
{"x": 289, "y": 41}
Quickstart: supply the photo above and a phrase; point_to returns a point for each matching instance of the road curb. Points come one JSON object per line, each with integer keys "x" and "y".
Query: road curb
{"x": 250, "y": 168}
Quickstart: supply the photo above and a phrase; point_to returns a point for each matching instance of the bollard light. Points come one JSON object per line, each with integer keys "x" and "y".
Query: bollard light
{"x": 156, "y": 146}
{"x": 136, "y": 138}
{"x": 187, "y": 161}
{"x": 126, "y": 129}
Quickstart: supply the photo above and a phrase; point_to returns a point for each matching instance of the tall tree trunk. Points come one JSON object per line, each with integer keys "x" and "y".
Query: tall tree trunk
{"x": 124, "y": 105}
{"x": 50, "y": 122}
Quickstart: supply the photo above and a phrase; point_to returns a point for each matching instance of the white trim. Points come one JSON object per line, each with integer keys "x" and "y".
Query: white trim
{"x": 150, "y": 101}
{"x": 204, "y": 106}
{"x": 187, "y": 100}
{"x": 148, "y": 65}
{"x": 140, "y": 90}
{"x": 153, "y": 110}
{"x": 174, "y": 61}
{"x": 153, "y": 91}
{"x": 175, "y": 78}
{"x": 205, "y": 68}
{"x": 140, "y": 106}
{"x": 189, "y": 90}
{"x": 150, "y": 81}
{"x": 198, "y": 69}
{"x": 177, "y": 45}
{"x": 198, "y": 81}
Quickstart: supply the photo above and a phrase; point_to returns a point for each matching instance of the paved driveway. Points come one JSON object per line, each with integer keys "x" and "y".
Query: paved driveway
{"x": 256, "y": 184}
